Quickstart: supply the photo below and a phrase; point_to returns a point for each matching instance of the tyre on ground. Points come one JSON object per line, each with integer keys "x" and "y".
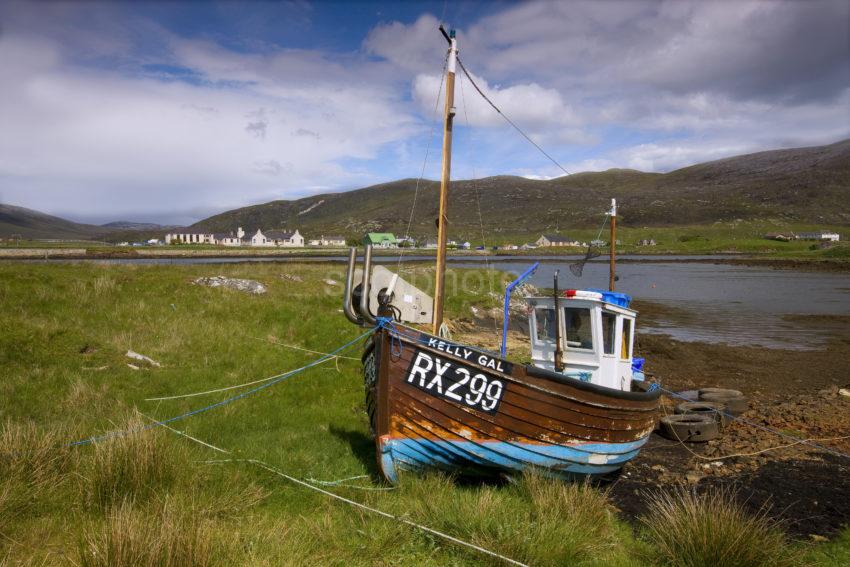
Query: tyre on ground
{"x": 689, "y": 427}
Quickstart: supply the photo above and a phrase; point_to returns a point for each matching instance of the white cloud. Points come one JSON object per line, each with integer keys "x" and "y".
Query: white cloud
{"x": 74, "y": 138}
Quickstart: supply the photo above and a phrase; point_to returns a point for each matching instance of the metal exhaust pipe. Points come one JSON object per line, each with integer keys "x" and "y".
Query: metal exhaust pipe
{"x": 349, "y": 286}
{"x": 366, "y": 287}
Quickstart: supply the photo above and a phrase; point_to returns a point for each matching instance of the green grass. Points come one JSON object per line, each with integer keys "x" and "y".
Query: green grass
{"x": 153, "y": 498}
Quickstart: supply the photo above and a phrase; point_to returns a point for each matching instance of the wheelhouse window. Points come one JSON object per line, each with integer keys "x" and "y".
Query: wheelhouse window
{"x": 627, "y": 338}
{"x": 578, "y": 328}
{"x": 544, "y": 318}
{"x": 609, "y": 327}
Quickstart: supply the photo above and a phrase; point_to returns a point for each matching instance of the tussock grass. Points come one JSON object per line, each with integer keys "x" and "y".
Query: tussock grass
{"x": 537, "y": 520}
{"x": 163, "y": 537}
{"x": 712, "y": 529}
{"x": 133, "y": 467}
{"x": 32, "y": 465}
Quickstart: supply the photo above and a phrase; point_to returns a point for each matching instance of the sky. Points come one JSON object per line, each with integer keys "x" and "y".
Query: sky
{"x": 172, "y": 111}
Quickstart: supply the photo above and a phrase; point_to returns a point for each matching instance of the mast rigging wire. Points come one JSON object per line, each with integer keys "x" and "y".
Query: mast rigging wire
{"x": 487, "y": 270}
{"x": 425, "y": 162}
{"x": 509, "y": 121}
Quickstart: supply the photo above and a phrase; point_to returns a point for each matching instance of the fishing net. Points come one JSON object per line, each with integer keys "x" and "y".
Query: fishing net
{"x": 593, "y": 251}
{"x": 578, "y": 267}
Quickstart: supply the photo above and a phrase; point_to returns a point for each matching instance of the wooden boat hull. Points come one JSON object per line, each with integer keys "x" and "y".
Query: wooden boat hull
{"x": 434, "y": 404}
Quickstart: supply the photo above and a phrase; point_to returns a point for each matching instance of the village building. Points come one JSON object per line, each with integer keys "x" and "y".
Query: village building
{"x": 338, "y": 241}
{"x": 430, "y": 243}
{"x": 190, "y": 238}
{"x": 820, "y": 235}
{"x": 380, "y": 240}
{"x": 284, "y": 238}
{"x": 646, "y": 242}
{"x": 556, "y": 240}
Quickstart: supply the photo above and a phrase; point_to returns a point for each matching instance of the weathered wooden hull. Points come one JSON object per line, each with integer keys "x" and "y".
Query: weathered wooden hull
{"x": 438, "y": 405}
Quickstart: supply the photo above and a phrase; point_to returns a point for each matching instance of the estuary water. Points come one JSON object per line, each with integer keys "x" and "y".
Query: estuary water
{"x": 702, "y": 301}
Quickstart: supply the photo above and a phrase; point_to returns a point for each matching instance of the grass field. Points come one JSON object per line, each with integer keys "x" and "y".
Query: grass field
{"x": 153, "y": 498}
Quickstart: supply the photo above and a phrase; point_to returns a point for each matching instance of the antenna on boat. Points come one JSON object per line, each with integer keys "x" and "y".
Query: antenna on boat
{"x": 612, "y": 276}
{"x": 559, "y": 353}
{"x": 439, "y": 285}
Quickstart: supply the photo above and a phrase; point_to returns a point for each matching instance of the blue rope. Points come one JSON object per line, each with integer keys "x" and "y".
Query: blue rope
{"x": 766, "y": 428}
{"x": 218, "y": 404}
{"x": 396, "y": 346}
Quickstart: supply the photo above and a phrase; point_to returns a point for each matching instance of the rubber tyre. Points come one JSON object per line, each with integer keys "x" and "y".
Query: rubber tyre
{"x": 724, "y": 391}
{"x": 715, "y": 410}
{"x": 690, "y": 428}
{"x": 735, "y": 404}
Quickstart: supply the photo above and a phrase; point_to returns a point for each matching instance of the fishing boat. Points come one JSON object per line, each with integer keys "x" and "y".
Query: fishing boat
{"x": 437, "y": 404}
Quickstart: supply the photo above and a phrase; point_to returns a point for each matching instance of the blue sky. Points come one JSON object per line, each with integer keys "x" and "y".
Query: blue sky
{"x": 170, "y": 111}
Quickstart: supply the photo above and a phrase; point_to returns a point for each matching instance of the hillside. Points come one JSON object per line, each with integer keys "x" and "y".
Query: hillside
{"x": 804, "y": 185}
{"x": 35, "y": 225}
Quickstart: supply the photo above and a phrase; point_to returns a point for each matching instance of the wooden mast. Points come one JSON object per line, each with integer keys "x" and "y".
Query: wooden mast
{"x": 612, "y": 276}
{"x": 442, "y": 236}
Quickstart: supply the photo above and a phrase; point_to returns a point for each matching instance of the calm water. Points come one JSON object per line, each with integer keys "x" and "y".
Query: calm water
{"x": 719, "y": 302}
{"x": 710, "y": 302}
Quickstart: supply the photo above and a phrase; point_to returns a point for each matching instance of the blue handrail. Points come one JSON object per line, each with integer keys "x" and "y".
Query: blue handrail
{"x": 525, "y": 275}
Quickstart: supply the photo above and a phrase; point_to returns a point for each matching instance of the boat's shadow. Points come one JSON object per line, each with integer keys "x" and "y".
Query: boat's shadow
{"x": 362, "y": 447}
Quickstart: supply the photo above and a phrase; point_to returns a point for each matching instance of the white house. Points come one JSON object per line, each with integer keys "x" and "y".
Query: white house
{"x": 279, "y": 238}
{"x": 820, "y": 235}
{"x": 230, "y": 239}
{"x": 190, "y": 238}
{"x": 260, "y": 239}
{"x": 556, "y": 240}
{"x": 323, "y": 240}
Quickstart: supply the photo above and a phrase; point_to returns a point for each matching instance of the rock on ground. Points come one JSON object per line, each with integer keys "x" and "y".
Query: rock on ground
{"x": 248, "y": 286}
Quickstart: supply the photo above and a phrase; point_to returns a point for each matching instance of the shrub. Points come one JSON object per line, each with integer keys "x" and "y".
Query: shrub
{"x": 710, "y": 529}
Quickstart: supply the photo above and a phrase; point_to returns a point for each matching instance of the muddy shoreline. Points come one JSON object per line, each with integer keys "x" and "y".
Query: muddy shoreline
{"x": 793, "y": 392}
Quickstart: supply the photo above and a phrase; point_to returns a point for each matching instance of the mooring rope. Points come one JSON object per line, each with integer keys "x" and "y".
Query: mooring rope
{"x": 247, "y": 393}
{"x": 306, "y": 484}
{"x": 237, "y": 386}
{"x": 376, "y": 511}
{"x": 296, "y": 347}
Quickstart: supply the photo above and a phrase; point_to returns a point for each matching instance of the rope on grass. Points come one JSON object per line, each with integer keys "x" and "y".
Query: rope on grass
{"x": 797, "y": 441}
{"x": 226, "y": 388}
{"x": 376, "y": 511}
{"x": 226, "y": 401}
{"x": 354, "y": 503}
{"x": 278, "y": 343}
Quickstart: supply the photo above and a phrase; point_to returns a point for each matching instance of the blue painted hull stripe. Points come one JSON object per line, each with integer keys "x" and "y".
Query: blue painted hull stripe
{"x": 501, "y": 455}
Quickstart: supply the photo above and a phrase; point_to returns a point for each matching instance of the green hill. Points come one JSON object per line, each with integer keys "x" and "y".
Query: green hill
{"x": 803, "y": 185}
{"x": 31, "y": 224}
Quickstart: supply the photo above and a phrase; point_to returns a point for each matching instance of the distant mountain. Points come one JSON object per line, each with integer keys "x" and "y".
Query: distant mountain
{"x": 130, "y": 225}
{"x": 807, "y": 185}
{"x": 32, "y": 224}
